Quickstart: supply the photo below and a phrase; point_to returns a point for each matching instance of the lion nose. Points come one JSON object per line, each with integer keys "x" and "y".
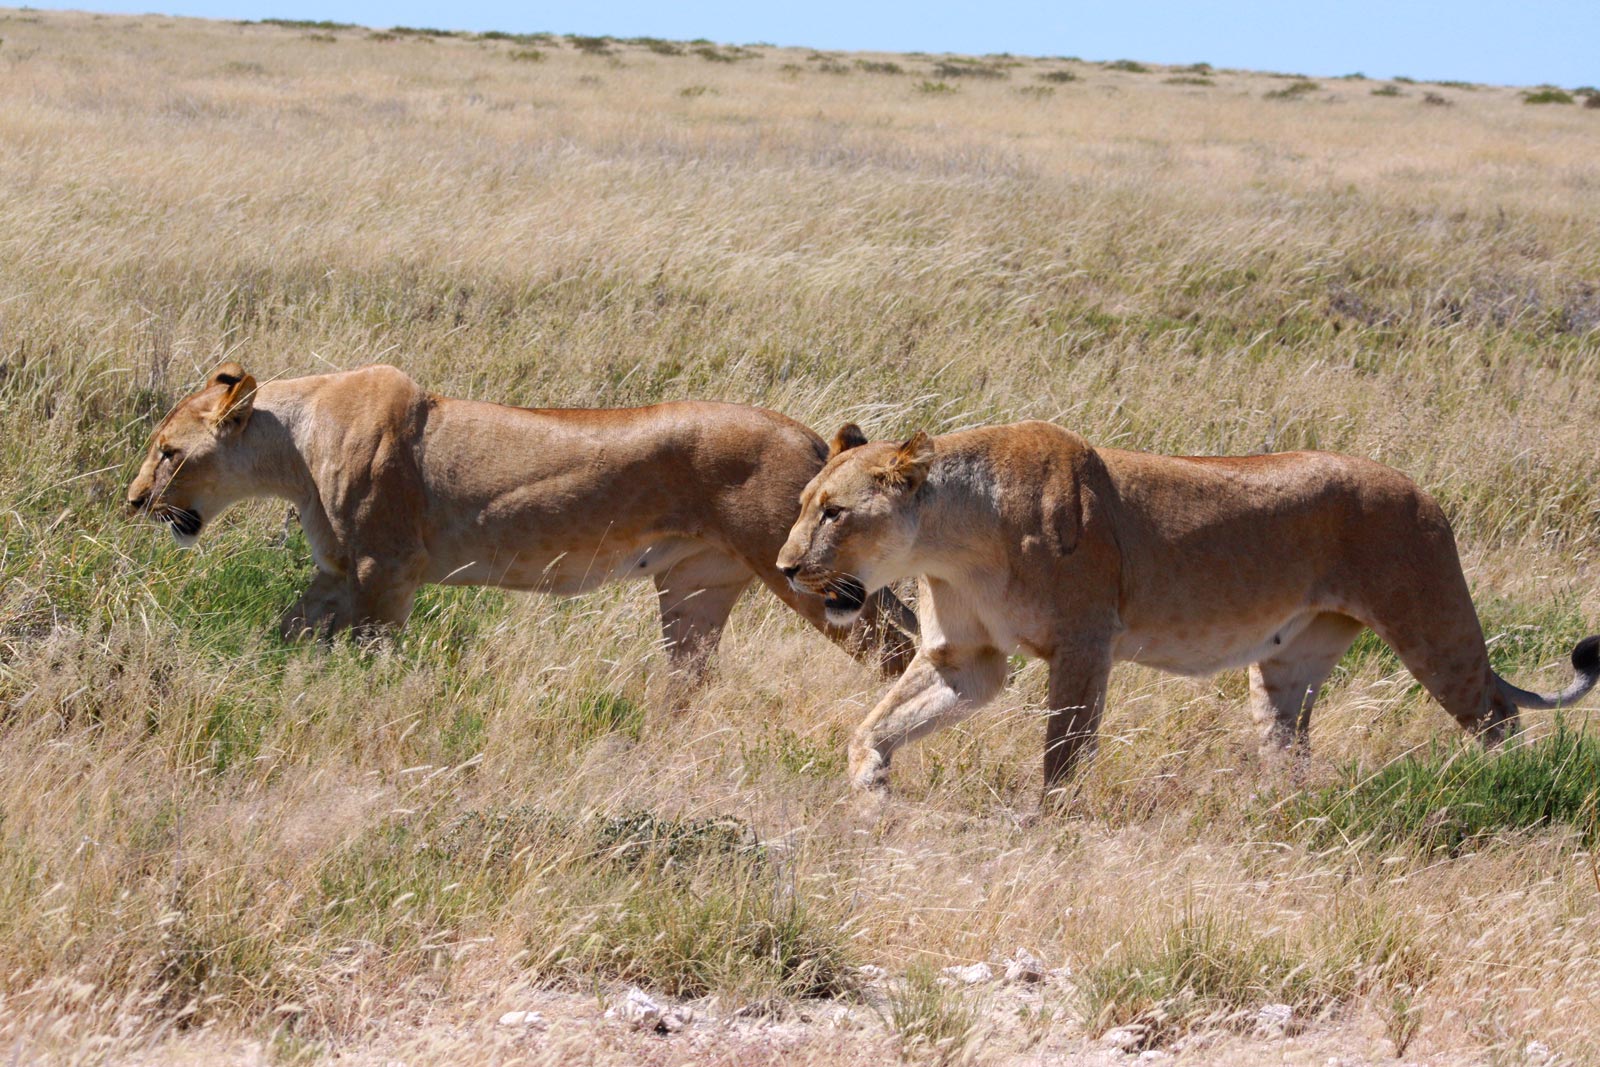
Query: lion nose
{"x": 790, "y": 571}
{"x": 137, "y": 504}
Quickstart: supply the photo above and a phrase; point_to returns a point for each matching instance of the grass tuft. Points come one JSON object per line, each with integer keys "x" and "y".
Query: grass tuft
{"x": 1460, "y": 797}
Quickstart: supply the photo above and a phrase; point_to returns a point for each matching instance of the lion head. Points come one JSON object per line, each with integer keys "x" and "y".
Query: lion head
{"x": 186, "y": 476}
{"x": 858, "y": 521}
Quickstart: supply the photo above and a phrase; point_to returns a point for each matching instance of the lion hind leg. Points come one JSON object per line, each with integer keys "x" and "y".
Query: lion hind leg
{"x": 1284, "y": 686}
{"x": 695, "y": 597}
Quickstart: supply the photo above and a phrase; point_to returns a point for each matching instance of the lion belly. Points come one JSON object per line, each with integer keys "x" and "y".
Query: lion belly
{"x": 570, "y": 572}
{"x": 1201, "y": 647}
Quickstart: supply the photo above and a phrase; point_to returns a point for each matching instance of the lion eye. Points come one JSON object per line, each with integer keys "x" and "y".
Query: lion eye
{"x": 168, "y": 452}
{"x": 831, "y": 513}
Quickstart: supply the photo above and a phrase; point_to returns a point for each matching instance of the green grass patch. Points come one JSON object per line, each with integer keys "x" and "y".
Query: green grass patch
{"x": 1547, "y": 96}
{"x": 936, "y": 1022}
{"x": 686, "y": 907}
{"x": 1458, "y": 797}
{"x": 1204, "y": 970}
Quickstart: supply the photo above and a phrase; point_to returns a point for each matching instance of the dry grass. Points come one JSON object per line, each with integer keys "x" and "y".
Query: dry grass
{"x": 210, "y": 843}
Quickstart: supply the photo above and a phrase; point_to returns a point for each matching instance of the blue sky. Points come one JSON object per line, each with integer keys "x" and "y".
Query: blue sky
{"x": 1511, "y": 42}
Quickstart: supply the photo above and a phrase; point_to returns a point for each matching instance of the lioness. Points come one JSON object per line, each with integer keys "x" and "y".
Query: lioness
{"x": 1028, "y": 538}
{"x": 396, "y": 487}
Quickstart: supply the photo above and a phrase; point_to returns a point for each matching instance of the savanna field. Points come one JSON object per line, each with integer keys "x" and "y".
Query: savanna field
{"x": 217, "y": 847}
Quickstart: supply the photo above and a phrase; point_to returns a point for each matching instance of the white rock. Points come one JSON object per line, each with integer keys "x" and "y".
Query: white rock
{"x": 1536, "y": 1052}
{"x": 639, "y": 1010}
{"x": 1024, "y": 966}
{"x": 1126, "y": 1038}
{"x": 1274, "y": 1020}
{"x": 872, "y": 972}
{"x": 1150, "y": 1055}
{"x": 525, "y": 1019}
{"x": 972, "y": 974}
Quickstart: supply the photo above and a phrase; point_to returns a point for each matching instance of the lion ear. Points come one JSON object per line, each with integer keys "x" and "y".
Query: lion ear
{"x": 908, "y": 467}
{"x": 232, "y": 410}
{"x": 848, "y": 437}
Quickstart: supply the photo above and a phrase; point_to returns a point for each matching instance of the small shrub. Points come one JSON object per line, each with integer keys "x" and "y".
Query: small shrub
{"x": 381, "y": 36}
{"x": 966, "y": 69}
{"x": 308, "y": 24}
{"x": 934, "y": 1021}
{"x": 321, "y": 38}
{"x": 1129, "y": 65}
{"x": 689, "y": 92}
{"x": 662, "y": 48}
{"x": 1193, "y": 68}
{"x": 591, "y": 46}
{"x": 1387, "y": 90}
{"x": 421, "y": 31}
{"x": 1449, "y": 801}
{"x": 871, "y": 66}
{"x": 935, "y": 87}
{"x": 528, "y": 55}
{"x": 1189, "y": 79}
{"x": 1435, "y": 100}
{"x": 1547, "y": 96}
{"x": 1353, "y": 76}
{"x": 1059, "y": 76}
{"x": 1591, "y": 101}
{"x": 1293, "y": 91}
{"x": 711, "y": 54}
{"x": 1468, "y": 86}
{"x": 1403, "y": 80}
{"x": 1037, "y": 92}
{"x": 828, "y": 66}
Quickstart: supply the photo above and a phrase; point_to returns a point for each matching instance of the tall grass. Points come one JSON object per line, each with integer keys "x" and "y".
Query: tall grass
{"x": 212, "y": 841}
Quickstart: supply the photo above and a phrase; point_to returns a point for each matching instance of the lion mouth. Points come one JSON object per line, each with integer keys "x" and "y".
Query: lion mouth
{"x": 185, "y": 522}
{"x": 845, "y": 595}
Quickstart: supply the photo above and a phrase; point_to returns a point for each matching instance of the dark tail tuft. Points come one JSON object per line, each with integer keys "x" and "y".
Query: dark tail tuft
{"x": 1586, "y": 657}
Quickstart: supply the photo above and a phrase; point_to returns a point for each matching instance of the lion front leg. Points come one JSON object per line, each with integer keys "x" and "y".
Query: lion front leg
{"x": 1078, "y": 679}
{"x": 322, "y": 611}
{"x": 941, "y": 686}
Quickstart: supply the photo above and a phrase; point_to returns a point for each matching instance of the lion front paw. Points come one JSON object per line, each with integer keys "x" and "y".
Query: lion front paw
{"x": 869, "y": 771}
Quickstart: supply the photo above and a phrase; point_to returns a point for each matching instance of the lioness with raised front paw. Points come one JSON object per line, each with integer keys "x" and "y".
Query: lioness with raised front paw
{"x": 1026, "y": 537}
{"x": 396, "y": 487}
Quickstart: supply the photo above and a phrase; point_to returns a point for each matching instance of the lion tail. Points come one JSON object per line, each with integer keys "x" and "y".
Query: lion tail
{"x": 1585, "y": 673}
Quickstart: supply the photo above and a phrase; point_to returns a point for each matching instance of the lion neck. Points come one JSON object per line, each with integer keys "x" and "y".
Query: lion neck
{"x": 278, "y": 447}
{"x": 958, "y": 512}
